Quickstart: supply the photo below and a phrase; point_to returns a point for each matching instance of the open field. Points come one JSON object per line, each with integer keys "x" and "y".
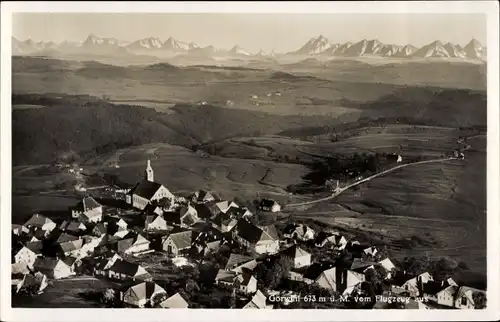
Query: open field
{"x": 73, "y": 292}
{"x": 444, "y": 203}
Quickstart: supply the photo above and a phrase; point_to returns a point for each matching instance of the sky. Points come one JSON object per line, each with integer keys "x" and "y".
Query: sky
{"x": 279, "y": 32}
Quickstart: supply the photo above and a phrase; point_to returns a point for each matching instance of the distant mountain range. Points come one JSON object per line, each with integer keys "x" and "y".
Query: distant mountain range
{"x": 319, "y": 46}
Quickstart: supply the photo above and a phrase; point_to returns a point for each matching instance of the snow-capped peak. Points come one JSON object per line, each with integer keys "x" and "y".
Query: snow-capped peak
{"x": 315, "y": 46}
{"x": 237, "y": 50}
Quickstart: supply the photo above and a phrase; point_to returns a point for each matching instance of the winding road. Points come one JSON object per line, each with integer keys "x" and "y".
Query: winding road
{"x": 341, "y": 190}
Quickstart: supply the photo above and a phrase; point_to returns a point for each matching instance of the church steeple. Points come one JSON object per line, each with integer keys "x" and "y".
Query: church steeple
{"x": 149, "y": 174}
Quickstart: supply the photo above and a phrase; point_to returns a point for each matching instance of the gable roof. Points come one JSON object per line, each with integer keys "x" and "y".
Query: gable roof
{"x": 314, "y": 271}
{"x": 258, "y": 301}
{"x": 235, "y": 260}
{"x": 146, "y": 289}
{"x": 87, "y": 203}
{"x": 176, "y": 301}
{"x": 468, "y": 292}
{"x": 270, "y": 230}
{"x": 434, "y": 287}
{"x": 69, "y": 260}
{"x": 101, "y": 228}
{"x": 203, "y": 210}
{"x": 225, "y": 276}
{"x": 249, "y": 231}
{"x": 400, "y": 278}
{"x": 387, "y": 264}
{"x": 38, "y": 220}
{"x": 153, "y": 210}
{"x": 295, "y": 252}
{"x": 71, "y": 245}
{"x": 290, "y": 228}
{"x": 182, "y": 240}
{"x": 64, "y": 237}
{"x": 359, "y": 264}
{"x": 72, "y": 225}
{"x": 46, "y": 263}
{"x": 244, "y": 278}
{"x": 145, "y": 189}
{"x": 123, "y": 267}
{"x": 223, "y": 206}
{"x": 172, "y": 217}
{"x": 268, "y": 203}
{"x": 19, "y": 268}
{"x": 158, "y": 219}
{"x": 203, "y": 195}
{"x": 35, "y": 246}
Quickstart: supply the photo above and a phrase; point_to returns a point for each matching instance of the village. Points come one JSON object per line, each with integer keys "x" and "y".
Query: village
{"x": 198, "y": 251}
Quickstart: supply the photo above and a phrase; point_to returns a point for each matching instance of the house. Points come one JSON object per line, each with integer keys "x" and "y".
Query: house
{"x": 105, "y": 261}
{"x": 188, "y": 215}
{"x": 439, "y": 291}
{"x": 243, "y": 282}
{"x": 393, "y": 157}
{"x": 73, "y": 226}
{"x": 54, "y": 268}
{"x": 140, "y": 294}
{"x": 27, "y": 254}
{"x": 299, "y": 232}
{"x": 69, "y": 247}
{"x": 258, "y": 301}
{"x": 313, "y": 272}
{"x": 178, "y": 243}
{"x": 19, "y": 230}
{"x": 147, "y": 191}
{"x": 337, "y": 279}
{"x": 17, "y": 272}
{"x": 323, "y": 238}
{"x": 100, "y": 229}
{"x": 269, "y": 205}
{"x": 152, "y": 210}
{"x": 155, "y": 223}
{"x": 238, "y": 213}
{"x": 370, "y": 251}
{"x": 223, "y": 206}
{"x": 116, "y": 223}
{"x": 238, "y": 262}
{"x": 298, "y": 256}
{"x": 465, "y": 297}
{"x": 87, "y": 211}
{"x": 40, "y": 222}
{"x": 72, "y": 262}
{"x": 123, "y": 270}
{"x": 64, "y": 237}
{"x": 388, "y": 267}
{"x": 255, "y": 238}
{"x": 402, "y": 282}
{"x": 176, "y": 301}
{"x": 202, "y": 196}
{"x": 211, "y": 247}
{"x": 32, "y": 283}
{"x": 225, "y": 278}
{"x": 133, "y": 244}
{"x": 228, "y": 224}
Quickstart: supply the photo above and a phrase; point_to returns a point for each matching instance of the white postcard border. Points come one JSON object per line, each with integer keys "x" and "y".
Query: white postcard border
{"x": 490, "y": 8}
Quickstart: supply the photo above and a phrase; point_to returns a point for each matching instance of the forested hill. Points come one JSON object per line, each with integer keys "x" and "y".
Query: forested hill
{"x": 69, "y": 127}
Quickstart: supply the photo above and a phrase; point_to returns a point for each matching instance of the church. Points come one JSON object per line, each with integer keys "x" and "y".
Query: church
{"x": 147, "y": 191}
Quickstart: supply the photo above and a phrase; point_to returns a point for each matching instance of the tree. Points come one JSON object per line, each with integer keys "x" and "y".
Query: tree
{"x": 109, "y": 296}
{"x": 479, "y": 300}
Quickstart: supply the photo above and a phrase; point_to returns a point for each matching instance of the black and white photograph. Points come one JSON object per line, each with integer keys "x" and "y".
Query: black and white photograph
{"x": 248, "y": 160}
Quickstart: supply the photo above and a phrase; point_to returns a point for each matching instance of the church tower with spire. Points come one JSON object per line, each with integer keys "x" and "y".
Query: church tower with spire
{"x": 149, "y": 174}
